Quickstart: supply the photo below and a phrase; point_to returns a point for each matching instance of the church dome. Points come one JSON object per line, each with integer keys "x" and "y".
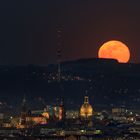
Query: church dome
{"x": 86, "y": 110}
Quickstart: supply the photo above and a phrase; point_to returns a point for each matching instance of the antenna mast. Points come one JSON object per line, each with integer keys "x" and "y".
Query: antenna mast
{"x": 59, "y": 51}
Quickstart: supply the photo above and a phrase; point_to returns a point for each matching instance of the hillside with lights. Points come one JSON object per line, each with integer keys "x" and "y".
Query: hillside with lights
{"x": 107, "y": 82}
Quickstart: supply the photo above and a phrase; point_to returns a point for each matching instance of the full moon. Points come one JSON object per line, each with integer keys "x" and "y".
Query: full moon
{"x": 114, "y": 50}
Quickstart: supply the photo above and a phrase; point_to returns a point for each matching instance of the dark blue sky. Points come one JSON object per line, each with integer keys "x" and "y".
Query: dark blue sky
{"x": 28, "y": 28}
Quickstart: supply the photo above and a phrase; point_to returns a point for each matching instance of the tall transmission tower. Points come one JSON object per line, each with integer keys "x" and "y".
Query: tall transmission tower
{"x": 59, "y": 50}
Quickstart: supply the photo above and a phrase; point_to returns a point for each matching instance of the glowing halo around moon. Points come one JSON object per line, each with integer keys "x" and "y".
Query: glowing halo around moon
{"x": 114, "y": 50}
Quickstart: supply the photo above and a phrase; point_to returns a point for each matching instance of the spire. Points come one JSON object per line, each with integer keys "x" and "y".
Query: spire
{"x": 24, "y": 104}
{"x": 86, "y": 97}
{"x": 86, "y": 100}
{"x": 23, "y": 112}
{"x": 24, "y": 100}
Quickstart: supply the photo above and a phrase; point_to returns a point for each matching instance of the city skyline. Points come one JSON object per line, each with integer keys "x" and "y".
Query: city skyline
{"x": 70, "y": 70}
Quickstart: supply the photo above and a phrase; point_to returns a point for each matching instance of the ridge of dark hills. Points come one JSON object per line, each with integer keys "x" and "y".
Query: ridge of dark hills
{"x": 108, "y": 83}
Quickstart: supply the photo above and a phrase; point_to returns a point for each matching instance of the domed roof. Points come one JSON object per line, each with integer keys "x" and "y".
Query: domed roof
{"x": 86, "y": 110}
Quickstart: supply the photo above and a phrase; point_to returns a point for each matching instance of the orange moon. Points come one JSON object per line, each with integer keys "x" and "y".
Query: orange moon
{"x": 114, "y": 50}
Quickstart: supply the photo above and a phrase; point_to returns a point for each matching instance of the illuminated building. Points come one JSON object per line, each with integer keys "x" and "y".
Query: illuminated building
{"x": 36, "y": 119}
{"x": 62, "y": 113}
{"x": 71, "y": 114}
{"x": 57, "y": 113}
{"x": 46, "y": 115}
{"x": 53, "y": 112}
{"x": 86, "y": 110}
{"x": 118, "y": 111}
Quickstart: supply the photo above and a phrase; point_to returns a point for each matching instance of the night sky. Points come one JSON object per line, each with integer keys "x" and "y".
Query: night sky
{"x": 28, "y": 28}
